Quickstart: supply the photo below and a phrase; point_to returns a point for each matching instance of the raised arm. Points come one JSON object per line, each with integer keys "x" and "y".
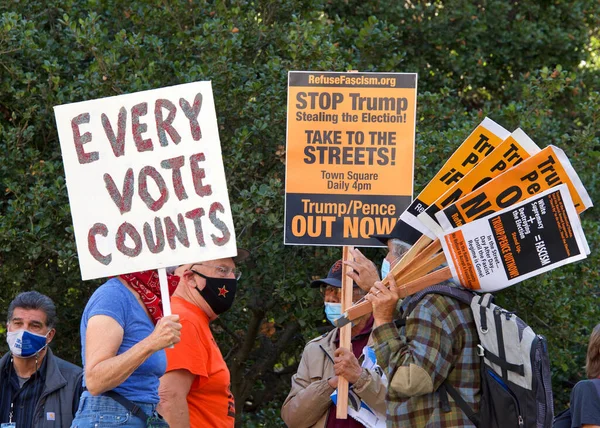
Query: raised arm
{"x": 104, "y": 369}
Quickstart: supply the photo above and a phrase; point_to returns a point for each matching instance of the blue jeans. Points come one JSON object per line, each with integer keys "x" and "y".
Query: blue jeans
{"x": 102, "y": 411}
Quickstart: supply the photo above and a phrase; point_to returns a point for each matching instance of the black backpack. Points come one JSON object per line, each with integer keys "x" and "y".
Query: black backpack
{"x": 515, "y": 369}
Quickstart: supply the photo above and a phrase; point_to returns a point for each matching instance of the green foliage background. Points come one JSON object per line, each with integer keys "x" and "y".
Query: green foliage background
{"x": 532, "y": 64}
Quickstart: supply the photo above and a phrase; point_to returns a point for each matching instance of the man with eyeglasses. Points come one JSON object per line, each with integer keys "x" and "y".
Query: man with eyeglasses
{"x": 194, "y": 391}
{"x": 309, "y": 402}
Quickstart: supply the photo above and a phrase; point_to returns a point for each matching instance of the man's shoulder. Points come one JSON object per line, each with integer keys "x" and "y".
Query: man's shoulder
{"x": 185, "y": 308}
{"x": 5, "y": 358}
{"x": 437, "y": 306}
{"x": 319, "y": 346}
{"x": 324, "y": 338}
{"x": 442, "y": 295}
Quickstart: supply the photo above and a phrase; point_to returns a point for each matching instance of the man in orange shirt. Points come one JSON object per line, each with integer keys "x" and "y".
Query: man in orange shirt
{"x": 194, "y": 391}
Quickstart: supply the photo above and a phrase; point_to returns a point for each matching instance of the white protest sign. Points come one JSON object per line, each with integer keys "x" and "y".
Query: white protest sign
{"x": 533, "y": 236}
{"x": 145, "y": 177}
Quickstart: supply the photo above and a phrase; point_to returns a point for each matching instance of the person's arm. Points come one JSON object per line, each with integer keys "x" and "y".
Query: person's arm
{"x": 309, "y": 398}
{"x": 173, "y": 391}
{"x": 418, "y": 362}
{"x": 104, "y": 369}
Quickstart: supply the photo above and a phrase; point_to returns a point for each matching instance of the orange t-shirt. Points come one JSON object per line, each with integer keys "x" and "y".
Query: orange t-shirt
{"x": 210, "y": 401}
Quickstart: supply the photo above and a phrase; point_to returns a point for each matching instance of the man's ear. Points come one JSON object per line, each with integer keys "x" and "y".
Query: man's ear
{"x": 50, "y": 336}
{"x": 188, "y": 278}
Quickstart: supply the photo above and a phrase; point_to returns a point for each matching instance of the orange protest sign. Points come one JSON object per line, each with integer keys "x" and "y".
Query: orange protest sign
{"x": 350, "y": 154}
{"x": 512, "y": 151}
{"x": 459, "y": 255}
{"x": 547, "y": 169}
{"x": 479, "y": 144}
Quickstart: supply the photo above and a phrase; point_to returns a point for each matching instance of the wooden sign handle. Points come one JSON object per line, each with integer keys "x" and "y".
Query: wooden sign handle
{"x": 164, "y": 291}
{"x": 417, "y": 262}
{"x": 404, "y": 290}
{"x": 345, "y": 333}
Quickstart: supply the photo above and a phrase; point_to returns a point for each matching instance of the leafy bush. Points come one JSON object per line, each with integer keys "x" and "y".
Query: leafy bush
{"x": 531, "y": 64}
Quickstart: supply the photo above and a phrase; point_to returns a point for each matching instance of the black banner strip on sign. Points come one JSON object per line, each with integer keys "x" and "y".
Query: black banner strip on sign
{"x": 319, "y": 219}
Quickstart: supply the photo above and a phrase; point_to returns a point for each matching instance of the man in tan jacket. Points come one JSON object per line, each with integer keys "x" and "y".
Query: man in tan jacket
{"x": 309, "y": 403}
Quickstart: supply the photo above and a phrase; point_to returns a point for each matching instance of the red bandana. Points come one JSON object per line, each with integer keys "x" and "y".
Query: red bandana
{"x": 147, "y": 285}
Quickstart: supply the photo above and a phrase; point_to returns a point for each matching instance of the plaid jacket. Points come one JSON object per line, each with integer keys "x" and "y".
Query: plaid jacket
{"x": 438, "y": 342}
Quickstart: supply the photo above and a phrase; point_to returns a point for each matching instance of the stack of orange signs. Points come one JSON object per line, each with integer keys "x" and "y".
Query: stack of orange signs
{"x": 511, "y": 152}
{"x": 511, "y": 217}
{"x": 547, "y": 169}
{"x": 479, "y": 144}
{"x": 534, "y": 236}
{"x": 526, "y": 239}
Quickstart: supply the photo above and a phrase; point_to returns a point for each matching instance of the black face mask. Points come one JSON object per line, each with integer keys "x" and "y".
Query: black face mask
{"x": 219, "y": 293}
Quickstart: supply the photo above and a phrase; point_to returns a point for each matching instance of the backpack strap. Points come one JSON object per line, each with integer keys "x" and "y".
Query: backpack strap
{"x": 444, "y": 402}
{"x": 460, "y": 294}
{"x": 132, "y": 407}
{"x": 464, "y": 406}
{"x": 502, "y": 363}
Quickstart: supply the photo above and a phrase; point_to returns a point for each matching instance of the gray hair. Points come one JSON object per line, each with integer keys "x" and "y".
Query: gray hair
{"x": 171, "y": 269}
{"x": 398, "y": 247}
{"x": 34, "y": 300}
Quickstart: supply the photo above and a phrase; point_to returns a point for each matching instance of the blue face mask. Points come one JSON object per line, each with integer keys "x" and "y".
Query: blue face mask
{"x": 385, "y": 268}
{"x": 333, "y": 311}
{"x": 24, "y": 344}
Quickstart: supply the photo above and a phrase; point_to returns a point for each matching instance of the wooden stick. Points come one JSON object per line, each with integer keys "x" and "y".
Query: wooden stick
{"x": 413, "y": 261}
{"x": 426, "y": 254}
{"x": 410, "y": 255}
{"x": 345, "y": 334}
{"x": 412, "y": 287}
{"x": 424, "y": 268}
{"x": 416, "y": 263}
{"x": 428, "y": 280}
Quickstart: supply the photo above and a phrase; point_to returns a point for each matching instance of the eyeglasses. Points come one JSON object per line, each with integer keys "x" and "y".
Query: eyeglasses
{"x": 224, "y": 271}
{"x": 337, "y": 291}
{"x": 329, "y": 289}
